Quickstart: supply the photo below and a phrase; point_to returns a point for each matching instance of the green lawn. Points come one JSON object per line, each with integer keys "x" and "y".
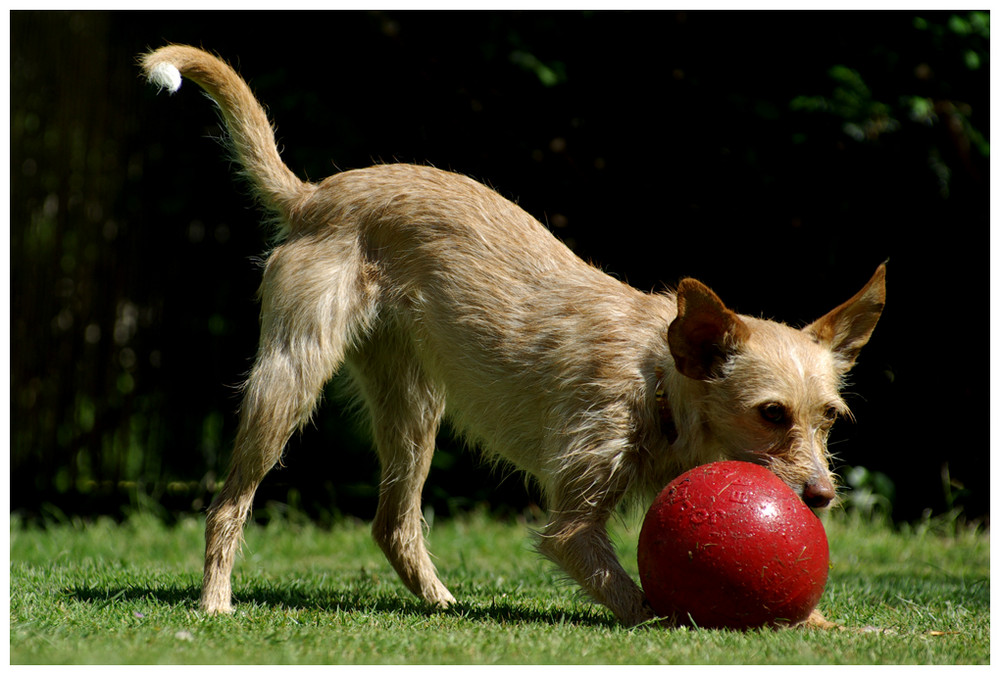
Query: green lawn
{"x": 127, "y": 594}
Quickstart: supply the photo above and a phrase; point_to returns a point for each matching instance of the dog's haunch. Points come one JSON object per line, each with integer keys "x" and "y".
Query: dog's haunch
{"x": 728, "y": 545}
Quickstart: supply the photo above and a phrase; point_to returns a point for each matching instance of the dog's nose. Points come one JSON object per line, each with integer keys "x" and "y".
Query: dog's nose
{"x": 818, "y": 493}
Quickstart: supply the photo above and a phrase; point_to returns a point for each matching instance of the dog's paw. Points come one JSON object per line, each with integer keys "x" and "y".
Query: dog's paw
{"x": 643, "y": 616}
{"x": 439, "y": 597}
{"x": 819, "y": 622}
{"x": 214, "y": 606}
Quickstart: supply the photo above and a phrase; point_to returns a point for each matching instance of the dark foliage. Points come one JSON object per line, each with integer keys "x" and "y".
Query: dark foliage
{"x": 777, "y": 156}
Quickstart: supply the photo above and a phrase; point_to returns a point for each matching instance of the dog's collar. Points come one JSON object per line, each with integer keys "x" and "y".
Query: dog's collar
{"x": 667, "y": 426}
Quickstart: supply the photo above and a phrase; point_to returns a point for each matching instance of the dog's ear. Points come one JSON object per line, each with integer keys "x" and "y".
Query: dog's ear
{"x": 846, "y": 329}
{"x": 705, "y": 333}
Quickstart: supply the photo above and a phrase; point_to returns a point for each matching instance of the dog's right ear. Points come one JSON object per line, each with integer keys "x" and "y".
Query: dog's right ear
{"x": 705, "y": 333}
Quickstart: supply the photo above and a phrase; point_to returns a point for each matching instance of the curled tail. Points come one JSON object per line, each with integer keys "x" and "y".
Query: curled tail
{"x": 251, "y": 134}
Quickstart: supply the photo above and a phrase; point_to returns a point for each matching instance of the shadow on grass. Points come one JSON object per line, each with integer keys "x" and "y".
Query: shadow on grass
{"x": 363, "y": 596}
{"x": 502, "y": 611}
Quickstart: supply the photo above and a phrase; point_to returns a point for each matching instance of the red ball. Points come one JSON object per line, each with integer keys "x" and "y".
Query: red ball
{"x": 729, "y": 545}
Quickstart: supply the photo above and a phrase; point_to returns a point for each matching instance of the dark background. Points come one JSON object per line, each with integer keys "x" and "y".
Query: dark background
{"x": 777, "y": 156}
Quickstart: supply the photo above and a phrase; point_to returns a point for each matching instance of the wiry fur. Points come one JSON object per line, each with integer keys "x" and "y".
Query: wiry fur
{"x": 436, "y": 294}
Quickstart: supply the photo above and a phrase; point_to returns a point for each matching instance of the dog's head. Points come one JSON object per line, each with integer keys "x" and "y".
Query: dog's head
{"x": 771, "y": 392}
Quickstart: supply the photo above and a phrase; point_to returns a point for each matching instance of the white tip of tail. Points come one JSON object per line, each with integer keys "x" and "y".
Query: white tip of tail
{"x": 165, "y": 76}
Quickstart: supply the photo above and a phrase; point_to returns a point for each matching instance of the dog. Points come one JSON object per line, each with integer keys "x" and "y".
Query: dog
{"x": 435, "y": 294}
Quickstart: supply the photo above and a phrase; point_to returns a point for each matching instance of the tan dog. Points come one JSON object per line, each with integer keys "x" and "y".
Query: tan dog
{"x": 436, "y": 294}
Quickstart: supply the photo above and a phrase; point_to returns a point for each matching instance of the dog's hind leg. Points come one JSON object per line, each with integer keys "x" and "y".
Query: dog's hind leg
{"x": 307, "y": 320}
{"x": 405, "y": 410}
{"x": 276, "y": 401}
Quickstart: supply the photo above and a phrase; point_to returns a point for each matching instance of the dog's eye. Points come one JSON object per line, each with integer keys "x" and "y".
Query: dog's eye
{"x": 831, "y": 414}
{"x": 775, "y": 413}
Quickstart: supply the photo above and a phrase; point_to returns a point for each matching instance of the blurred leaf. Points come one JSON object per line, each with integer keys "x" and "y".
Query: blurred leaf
{"x": 548, "y": 75}
{"x": 959, "y": 25}
{"x": 921, "y": 109}
{"x": 870, "y": 492}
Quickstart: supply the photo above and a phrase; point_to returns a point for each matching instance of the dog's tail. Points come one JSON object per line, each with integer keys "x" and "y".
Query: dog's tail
{"x": 250, "y": 133}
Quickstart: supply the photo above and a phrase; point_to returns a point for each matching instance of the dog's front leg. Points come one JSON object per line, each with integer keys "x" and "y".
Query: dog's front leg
{"x": 584, "y": 551}
{"x": 576, "y": 537}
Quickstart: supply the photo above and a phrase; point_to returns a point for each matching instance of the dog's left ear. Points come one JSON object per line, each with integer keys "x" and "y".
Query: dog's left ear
{"x": 846, "y": 329}
{"x": 705, "y": 333}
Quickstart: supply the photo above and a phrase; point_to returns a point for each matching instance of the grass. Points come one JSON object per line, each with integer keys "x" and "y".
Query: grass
{"x": 104, "y": 593}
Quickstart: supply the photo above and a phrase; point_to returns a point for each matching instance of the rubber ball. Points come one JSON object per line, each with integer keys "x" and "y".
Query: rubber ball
{"x": 729, "y": 545}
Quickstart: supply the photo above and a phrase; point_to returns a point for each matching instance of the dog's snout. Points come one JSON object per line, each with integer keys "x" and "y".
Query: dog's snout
{"x": 818, "y": 493}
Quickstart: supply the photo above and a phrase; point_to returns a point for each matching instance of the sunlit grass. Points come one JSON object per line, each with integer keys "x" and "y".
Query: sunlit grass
{"x": 127, "y": 594}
